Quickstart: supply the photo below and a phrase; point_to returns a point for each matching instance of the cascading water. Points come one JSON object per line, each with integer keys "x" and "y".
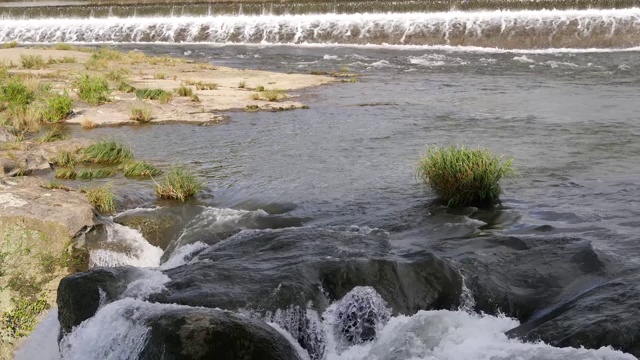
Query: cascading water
{"x": 495, "y": 29}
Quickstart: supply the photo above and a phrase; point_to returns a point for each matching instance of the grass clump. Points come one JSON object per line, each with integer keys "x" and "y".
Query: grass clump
{"x": 16, "y": 93}
{"x": 87, "y": 123}
{"x": 10, "y": 45}
{"x": 95, "y": 174}
{"x": 140, "y": 169}
{"x": 260, "y": 88}
{"x": 66, "y": 173}
{"x": 141, "y": 114}
{"x": 65, "y": 159}
{"x": 63, "y": 46}
{"x": 242, "y": 84}
{"x": 32, "y": 62}
{"x": 126, "y": 87}
{"x": 179, "y": 184}
{"x": 54, "y": 133}
{"x": 102, "y": 198}
{"x": 107, "y": 152}
{"x": 274, "y": 95}
{"x": 159, "y": 76}
{"x": 184, "y": 91}
{"x": 57, "y": 107}
{"x": 202, "y": 85}
{"x": 162, "y": 96}
{"x": 93, "y": 89}
{"x": 462, "y": 176}
{"x": 54, "y": 185}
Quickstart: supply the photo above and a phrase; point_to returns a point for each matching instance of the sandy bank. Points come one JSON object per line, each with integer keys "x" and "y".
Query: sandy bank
{"x": 217, "y": 89}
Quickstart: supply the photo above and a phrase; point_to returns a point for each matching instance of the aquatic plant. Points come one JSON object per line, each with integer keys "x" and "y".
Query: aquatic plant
{"x": 55, "y": 133}
{"x": 95, "y": 174}
{"x": 66, "y": 173}
{"x": 140, "y": 169}
{"x": 154, "y": 94}
{"x": 462, "y": 176}
{"x": 102, "y": 198}
{"x": 141, "y": 114}
{"x": 93, "y": 89}
{"x": 65, "y": 159}
{"x": 184, "y": 91}
{"x": 57, "y": 107}
{"x": 178, "y": 184}
{"x": 107, "y": 152}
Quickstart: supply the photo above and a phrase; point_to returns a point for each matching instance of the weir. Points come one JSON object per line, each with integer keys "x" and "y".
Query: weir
{"x": 491, "y": 29}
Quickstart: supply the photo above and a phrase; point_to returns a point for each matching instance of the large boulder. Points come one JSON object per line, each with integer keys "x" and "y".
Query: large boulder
{"x": 198, "y": 333}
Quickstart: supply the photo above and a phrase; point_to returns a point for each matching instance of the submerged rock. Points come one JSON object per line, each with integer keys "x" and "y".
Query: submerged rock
{"x": 604, "y": 315}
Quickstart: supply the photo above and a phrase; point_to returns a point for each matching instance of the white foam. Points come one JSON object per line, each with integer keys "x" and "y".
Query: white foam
{"x": 327, "y": 29}
{"x": 150, "y": 282}
{"x": 524, "y": 59}
{"x": 330, "y": 57}
{"x": 183, "y": 255}
{"x": 125, "y": 246}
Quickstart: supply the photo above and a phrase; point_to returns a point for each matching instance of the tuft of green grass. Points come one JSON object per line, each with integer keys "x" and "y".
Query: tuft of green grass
{"x": 10, "y": 45}
{"x": 65, "y": 159}
{"x": 184, "y": 91}
{"x": 66, "y": 173}
{"x": 57, "y": 107}
{"x": 194, "y": 98}
{"x": 274, "y": 95}
{"x": 102, "y": 198}
{"x": 93, "y": 89}
{"x": 126, "y": 87}
{"x": 160, "y": 76}
{"x": 95, "y": 174}
{"x": 179, "y": 184}
{"x": 107, "y": 152}
{"x": 260, "y": 88}
{"x": 242, "y": 84}
{"x": 140, "y": 169}
{"x": 154, "y": 94}
{"x": 118, "y": 74}
{"x": 55, "y": 133}
{"x": 16, "y": 93}
{"x": 63, "y": 46}
{"x": 106, "y": 54}
{"x": 33, "y": 62}
{"x": 462, "y": 176}
{"x": 141, "y": 114}
{"x": 54, "y": 185}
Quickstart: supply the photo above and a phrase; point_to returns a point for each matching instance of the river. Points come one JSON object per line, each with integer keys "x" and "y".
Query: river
{"x": 556, "y": 90}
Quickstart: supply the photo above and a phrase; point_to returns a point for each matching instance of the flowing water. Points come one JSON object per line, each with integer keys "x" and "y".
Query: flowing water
{"x": 290, "y": 191}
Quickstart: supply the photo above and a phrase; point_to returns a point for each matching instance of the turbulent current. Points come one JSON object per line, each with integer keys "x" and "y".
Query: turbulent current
{"x": 501, "y": 29}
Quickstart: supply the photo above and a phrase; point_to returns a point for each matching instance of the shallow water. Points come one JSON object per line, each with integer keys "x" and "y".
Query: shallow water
{"x": 562, "y": 242}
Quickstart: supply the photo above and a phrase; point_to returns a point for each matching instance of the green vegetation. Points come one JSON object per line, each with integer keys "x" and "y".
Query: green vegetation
{"x": 140, "y": 169}
{"x": 53, "y": 185}
{"x": 57, "y": 107}
{"x": 66, "y": 173}
{"x": 93, "y": 89}
{"x": 194, "y": 98}
{"x": 16, "y": 93}
{"x": 178, "y": 184}
{"x": 141, "y": 114}
{"x": 9, "y": 45}
{"x": 159, "y": 76}
{"x": 162, "y": 96}
{"x": 260, "y": 88}
{"x": 55, "y": 133}
{"x": 274, "y": 95}
{"x": 462, "y": 176}
{"x": 65, "y": 159}
{"x": 242, "y": 84}
{"x": 107, "y": 152}
{"x": 22, "y": 319}
{"x": 102, "y": 198}
{"x": 63, "y": 46}
{"x": 118, "y": 74}
{"x": 184, "y": 91}
{"x": 95, "y": 174}
{"x": 126, "y": 87}
{"x": 33, "y": 62}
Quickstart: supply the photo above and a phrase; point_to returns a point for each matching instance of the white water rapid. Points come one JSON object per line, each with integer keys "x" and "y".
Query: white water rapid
{"x": 502, "y": 29}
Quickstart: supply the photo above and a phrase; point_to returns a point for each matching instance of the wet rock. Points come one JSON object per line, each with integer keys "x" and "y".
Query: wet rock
{"x": 606, "y": 314}
{"x": 524, "y": 278}
{"x": 6, "y": 135}
{"x": 18, "y": 163}
{"x": 80, "y": 295}
{"x": 198, "y": 333}
{"x": 159, "y": 227}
